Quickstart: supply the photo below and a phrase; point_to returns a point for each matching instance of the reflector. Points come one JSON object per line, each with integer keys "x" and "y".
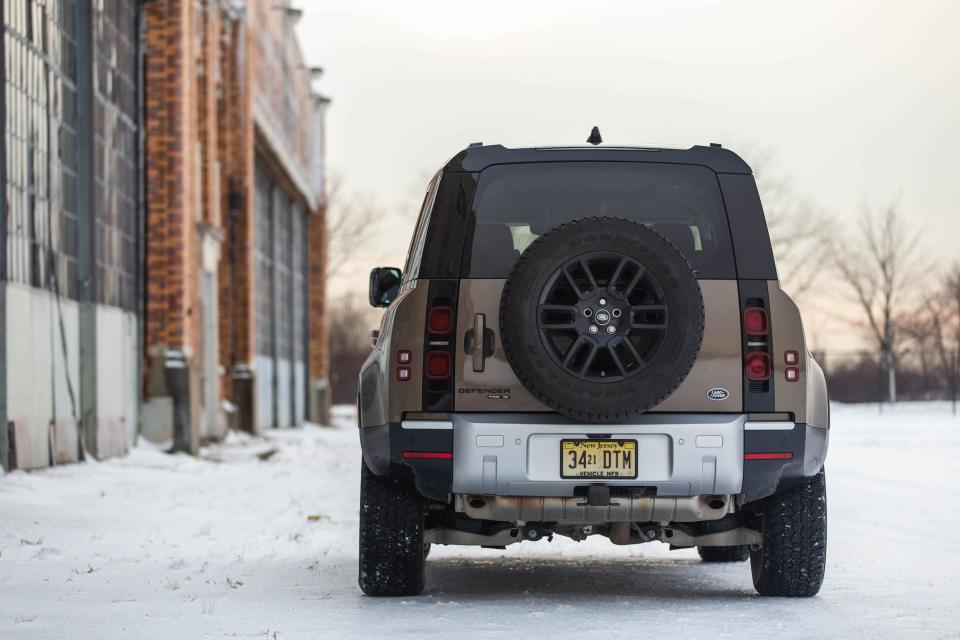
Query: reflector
{"x": 428, "y": 455}
{"x": 768, "y": 456}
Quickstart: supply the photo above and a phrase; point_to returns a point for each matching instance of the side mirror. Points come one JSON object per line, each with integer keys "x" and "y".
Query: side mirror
{"x": 384, "y": 286}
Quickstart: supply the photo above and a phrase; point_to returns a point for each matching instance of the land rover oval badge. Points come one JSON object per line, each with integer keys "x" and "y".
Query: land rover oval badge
{"x": 718, "y": 393}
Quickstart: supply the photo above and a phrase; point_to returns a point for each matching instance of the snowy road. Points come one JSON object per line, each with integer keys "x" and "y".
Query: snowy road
{"x": 234, "y": 546}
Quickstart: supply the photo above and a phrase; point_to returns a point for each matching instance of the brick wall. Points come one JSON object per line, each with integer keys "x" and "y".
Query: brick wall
{"x": 169, "y": 162}
{"x": 204, "y": 68}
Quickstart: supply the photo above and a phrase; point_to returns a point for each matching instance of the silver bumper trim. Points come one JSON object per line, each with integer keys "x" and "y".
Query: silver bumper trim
{"x": 427, "y": 424}
{"x": 528, "y": 463}
{"x": 769, "y": 426}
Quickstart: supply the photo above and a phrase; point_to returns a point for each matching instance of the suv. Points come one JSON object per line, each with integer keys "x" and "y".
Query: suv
{"x": 592, "y": 341}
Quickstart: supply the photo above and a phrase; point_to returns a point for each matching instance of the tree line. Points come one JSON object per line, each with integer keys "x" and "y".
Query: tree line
{"x": 905, "y": 306}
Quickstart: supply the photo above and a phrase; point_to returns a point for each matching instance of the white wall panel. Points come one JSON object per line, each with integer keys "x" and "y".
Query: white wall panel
{"x": 38, "y": 395}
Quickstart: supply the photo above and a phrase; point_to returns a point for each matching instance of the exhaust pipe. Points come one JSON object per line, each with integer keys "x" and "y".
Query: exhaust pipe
{"x": 578, "y": 510}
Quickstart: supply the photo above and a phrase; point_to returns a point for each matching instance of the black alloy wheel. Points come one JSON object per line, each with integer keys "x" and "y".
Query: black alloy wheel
{"x": 602, "y": 316}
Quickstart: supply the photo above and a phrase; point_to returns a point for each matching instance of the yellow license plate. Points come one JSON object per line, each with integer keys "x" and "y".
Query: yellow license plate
{"x": 598, "y": 458}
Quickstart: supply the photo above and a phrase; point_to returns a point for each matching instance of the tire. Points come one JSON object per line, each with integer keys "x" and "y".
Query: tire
{"x": 736, "y": 553}
{"x": 614, "y": 384}
{"x": 793, "y": 555}
{"x": 391, "y": 537}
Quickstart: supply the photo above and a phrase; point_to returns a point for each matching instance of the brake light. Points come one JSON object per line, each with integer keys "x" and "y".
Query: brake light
{"x": 437, "y": 365}
{"x": 428, "y": 455}
{"x": 440, "y": 320}
{"x": 791, "y": 374}
{"x": 404, "y": 357}
{"x": 786, "y": 455}
{"x": 791, "y": 357}
{"x": 758, "y": 366}
{"x": 755, "y": 321}
{"x": 403, "y": 374}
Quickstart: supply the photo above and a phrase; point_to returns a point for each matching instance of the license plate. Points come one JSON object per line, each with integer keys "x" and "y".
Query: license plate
{"x": 598, "y": 458}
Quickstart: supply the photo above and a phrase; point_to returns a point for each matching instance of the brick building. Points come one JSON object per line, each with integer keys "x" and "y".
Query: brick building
{"x": 234, "y": 191}
{"x": 162, "y": 230}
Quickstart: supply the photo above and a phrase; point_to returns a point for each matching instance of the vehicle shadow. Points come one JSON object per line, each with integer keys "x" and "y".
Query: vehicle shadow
{"x": 586, "y": 578}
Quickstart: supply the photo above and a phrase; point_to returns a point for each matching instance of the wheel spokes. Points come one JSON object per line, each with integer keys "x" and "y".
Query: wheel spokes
{"x": 611, "y": 346}
{"x": 634, "y": 281}
{"x": 574, "y": 350}
{"x": 616, "y": 360}
{"x": 551, "y": 316}
{"x": 594, "y": 348}
{"x": 657, "y": 324}
{"x": 590, "y": 278}
{"x": 631, "y": 350}
{"x": 616, "y": 274}
{"x": 573, "y": 284}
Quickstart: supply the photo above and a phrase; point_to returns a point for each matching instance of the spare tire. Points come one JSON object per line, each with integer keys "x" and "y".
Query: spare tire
{"x": 601, "y": 319}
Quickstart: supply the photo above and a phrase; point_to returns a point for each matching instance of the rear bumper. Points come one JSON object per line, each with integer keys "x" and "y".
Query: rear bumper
{"x": 519, "y": 454}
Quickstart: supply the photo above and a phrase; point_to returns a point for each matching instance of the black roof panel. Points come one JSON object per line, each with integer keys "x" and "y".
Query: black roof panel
{"x": 479, "y": 158}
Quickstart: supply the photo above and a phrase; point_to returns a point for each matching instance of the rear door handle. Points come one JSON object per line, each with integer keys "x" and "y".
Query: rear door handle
{"x": 479, "y": 326}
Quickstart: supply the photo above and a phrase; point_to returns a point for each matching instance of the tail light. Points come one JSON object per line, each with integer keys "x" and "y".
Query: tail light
{"x": 439, "y": 356}
{"x": 755, "y": 321}
{"x": 437, "y": 365}
{"x": 757, "y": 345}
{"x": 758, "y": 366}
{"x": 440, "y": 321}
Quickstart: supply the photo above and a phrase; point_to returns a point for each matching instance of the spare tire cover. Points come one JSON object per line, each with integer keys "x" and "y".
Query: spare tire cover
{"x": 601, "y": 319}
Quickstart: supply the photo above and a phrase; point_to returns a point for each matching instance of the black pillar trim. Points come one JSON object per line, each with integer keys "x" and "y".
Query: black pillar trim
{"x": 86, "y": 216}
{"x": 4, "y": 427}
{"x": 141, "y": 274}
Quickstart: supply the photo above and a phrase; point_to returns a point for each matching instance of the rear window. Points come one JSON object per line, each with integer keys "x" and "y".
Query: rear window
{"x": 515, "y": 204}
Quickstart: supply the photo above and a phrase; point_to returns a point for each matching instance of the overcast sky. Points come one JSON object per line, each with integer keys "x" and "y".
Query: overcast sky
{"x": 859, "y": 101}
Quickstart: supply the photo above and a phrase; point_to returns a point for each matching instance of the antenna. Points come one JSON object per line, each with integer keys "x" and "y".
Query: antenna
{"x": 595, "y": 136}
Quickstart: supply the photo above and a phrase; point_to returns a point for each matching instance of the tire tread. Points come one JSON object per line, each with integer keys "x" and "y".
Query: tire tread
{"x": 792, "y": 560}
{"x": 391, "y": 537}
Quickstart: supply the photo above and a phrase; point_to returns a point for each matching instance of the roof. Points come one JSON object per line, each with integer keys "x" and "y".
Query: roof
{"x": 479, "y": 157}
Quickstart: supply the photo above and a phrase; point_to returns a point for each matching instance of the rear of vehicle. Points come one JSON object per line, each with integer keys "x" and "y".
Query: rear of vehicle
{"x": 592, "y": 342}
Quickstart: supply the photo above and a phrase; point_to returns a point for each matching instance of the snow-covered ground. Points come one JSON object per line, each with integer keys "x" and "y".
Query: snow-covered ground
{"x": 258, "y": 539}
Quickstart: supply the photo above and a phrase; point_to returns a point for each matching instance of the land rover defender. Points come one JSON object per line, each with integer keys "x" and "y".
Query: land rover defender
{"x": 592, "y": 341}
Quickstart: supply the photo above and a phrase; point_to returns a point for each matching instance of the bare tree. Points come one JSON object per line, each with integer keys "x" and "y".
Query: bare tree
{"x": 350, "y": 322}
{"x": 349, "y": 218}
{"x": 917, "y": 326}
{"x": 944, "y": 314}
{"x": 878, "y": 265}
{"x": 801, "y": 234}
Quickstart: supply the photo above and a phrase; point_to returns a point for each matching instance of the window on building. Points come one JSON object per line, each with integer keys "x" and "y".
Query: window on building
{"x": 116, "y": 208}
{"x": 40, "y": 144}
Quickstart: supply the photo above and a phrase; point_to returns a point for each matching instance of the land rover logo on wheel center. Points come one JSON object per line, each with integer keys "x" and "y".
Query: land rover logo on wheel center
{"x": 602, "y": 317}
{"x": 718, "y": 393}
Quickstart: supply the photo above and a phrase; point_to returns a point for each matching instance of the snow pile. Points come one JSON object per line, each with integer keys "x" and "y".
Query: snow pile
{"x": 258, "y": 539}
